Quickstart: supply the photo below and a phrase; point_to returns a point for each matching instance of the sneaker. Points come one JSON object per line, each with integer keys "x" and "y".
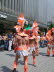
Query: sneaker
{"x": 48, "y": 55}
{"x": 37, "y": 54}
{"x": 34, "y": 65}
{"x": 52, "y": 55}
{"x": 14, "y": 70}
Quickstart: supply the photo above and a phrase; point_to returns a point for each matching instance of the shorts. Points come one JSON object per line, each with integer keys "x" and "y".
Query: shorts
{"x": 22, "y": 53}
{"x": 52, "y": 46}
{"x": 49, "y": 45}
{"x": 32, "y": 49}
{"x": 37, "y": 47}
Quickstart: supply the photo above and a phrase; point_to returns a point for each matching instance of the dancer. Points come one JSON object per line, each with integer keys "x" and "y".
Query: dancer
{"x": 32, "y": 46}
{"x": 21, "y": 49}
{"x": 52, "y": 42}
{"x": 50, "y": 38}
{"x": 35, "y": 32}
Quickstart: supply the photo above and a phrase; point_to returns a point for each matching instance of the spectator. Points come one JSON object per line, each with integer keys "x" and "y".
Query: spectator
{"x": 10, "y": 44}
{"x": 6, "y": 44}
{"x": 2, "y": 44}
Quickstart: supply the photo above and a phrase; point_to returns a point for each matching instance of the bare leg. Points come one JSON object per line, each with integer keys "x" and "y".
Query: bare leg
{"x": 37, "y": 52}
{"x": 15, "y": 63}
{"x": 53, "y": 51}
{"x": 34, "y": 58}
{"x": 25, "y": 63}
{"x": 48, "y": 51}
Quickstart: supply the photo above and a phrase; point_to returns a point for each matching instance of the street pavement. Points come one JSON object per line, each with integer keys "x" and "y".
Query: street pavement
{"x": 43, "y": 63}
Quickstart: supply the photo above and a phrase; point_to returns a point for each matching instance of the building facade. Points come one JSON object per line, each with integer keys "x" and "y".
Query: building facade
{"x": 40, "y": 10}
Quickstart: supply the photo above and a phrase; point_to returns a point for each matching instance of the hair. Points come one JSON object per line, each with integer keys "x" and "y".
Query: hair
{"x": 52, "y": 33}
{"x": 21, "y": 29}
{"x": 31, "y": 32}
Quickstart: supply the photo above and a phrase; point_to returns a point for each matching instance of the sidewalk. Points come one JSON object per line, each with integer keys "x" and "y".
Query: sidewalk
{"x": 44, "y": 64}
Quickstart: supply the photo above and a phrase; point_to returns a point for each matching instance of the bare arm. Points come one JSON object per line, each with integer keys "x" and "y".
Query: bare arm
{"x": 27, "y": 41}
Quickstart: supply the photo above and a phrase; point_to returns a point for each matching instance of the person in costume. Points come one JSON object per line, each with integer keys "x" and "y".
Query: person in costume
{"x": 50, "y": 38}
{"x": 35, "y": 30}
{"x": 32, "y": 46}
{"x": 52, "y": 42}
{"x": 21, "y": 50}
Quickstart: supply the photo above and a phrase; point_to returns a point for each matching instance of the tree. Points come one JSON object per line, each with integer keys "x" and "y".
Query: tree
{"x": 51, "y": 25}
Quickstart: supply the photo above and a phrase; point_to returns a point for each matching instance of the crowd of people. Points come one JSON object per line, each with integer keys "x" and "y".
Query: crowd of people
{"x": 7, "y": 39}
{"x": 6, "y": 42}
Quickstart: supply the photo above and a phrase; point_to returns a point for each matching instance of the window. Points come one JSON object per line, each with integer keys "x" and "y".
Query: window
{"x": 11, "y": 3}
{"x": 8, "y": 3}
{"x": 14, "y": 4}
{"x": 0, "y": 4}
{"x": 5, "y": 5}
